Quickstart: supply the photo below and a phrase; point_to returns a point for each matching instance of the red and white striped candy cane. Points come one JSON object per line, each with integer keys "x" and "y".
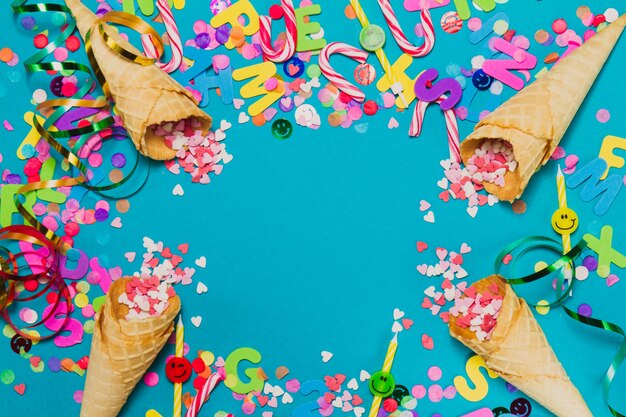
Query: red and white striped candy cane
{"x": 204, "y": 394}
{"x": 398, "y": 33}
{"x": 174, "y": 36}
{"x": 333, "y": 76}
{"x": 452, "y": 127}
{"x": 265, "y": 31}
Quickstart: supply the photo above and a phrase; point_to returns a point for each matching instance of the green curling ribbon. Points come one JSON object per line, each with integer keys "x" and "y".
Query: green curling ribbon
{"x": 528, "y": 244}
{"x": 57, "y": 108}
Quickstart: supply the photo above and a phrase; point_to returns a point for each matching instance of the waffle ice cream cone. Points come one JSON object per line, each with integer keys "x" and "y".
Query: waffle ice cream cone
{"x": 121, "y": 352}
{"x": 143, "y": 95}
{"x": 535, "y": 119}
{"x": 519, "y": 352}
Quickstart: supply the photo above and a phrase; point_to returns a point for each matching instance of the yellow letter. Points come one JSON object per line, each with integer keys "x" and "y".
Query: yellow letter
{"x": 609, "y": 144}
{"x": 399, "y": 67}
{"x": 480, "y": 382}
{"x": 231, "y": 16}
{"x": 262, "y": 72}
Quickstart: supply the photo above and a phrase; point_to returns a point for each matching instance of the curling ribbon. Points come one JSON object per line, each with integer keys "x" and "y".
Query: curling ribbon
{"x": 398, "y": 33}
{"x": 452, "y": 127}
{"x": 174, "y": 35}
{"x": 289, "y": 48}
{"x": 539, "y": 242}
{"x": 45, "y": 273}
{"x": 333, "y": 76}
{"x": 55, "y": 108}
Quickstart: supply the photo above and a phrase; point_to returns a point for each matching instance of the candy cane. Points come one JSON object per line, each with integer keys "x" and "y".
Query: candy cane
{"x": 289, "y": 48}
{"x": 204, "y": 394}
{"x": 398, "y": 34}
{"x": 336, "y": 78}
{"x": 172, "y": 32}
{"x": 452, "y": 127}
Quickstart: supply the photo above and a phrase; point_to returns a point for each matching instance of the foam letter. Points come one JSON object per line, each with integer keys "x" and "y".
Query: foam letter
{"x": 609, "y": 144}
{"x": 305, "y": 29}
{"x": 500, "y": 68}
{"x": 261, "y": 73}
{"x": 462, "y": 7}
{"x": 7, "y": 203}
{"x": 592, "y": 172}
{"x": 604, "y": 248}
{"x": 399, "y": 68}
{"x": 232, "y": 14}
{"x": 231, "y": 365}
{"x": 480, "y": 382}
{"x": 426, "y": 91}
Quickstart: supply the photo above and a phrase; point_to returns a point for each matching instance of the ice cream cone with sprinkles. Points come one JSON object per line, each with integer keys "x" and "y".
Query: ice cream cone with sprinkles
{"x": 144, "y": 95}
{"x": 494, "y": 322}
{"x": 534, "y": 121}
{"x": 129, "y": 333}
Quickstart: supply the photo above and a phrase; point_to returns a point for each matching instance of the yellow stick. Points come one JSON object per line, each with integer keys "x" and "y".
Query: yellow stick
{"x": 391, "y": 353}
{"x": 178, "y": 387}
{"x": 560, "y": 185}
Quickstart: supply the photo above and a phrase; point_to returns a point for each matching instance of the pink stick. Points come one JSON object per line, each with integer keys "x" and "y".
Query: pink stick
{"x": 333, "y": 76}
{"x": 289, "y": 48}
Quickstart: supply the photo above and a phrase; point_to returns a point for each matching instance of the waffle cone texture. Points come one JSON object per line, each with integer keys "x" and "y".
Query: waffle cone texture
{"x": 121, "y": 352}
{"x": 143, "y": 95}
{"x": 519, "y": 352}
{"x": 536, "y": 118}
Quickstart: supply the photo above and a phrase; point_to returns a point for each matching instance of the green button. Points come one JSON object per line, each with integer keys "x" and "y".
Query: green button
{"x": 382, "y": 384}
{"x": 372, "y": 38}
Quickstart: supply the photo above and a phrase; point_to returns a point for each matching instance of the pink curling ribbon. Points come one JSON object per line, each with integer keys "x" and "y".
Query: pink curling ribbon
{"x": 452, "y": 127}
{"x": 204, "y": 393}
{"x": 172, "y": 32}
{"x": 289, "y": 48}
{"x": 398, "y": 33}
{"x": 336, "y": 78}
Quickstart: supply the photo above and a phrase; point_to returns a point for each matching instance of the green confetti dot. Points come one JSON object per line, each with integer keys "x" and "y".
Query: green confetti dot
{"x": 7, "y": 376}
{"x": 88, "y": 326}
{"x": 313, "y": 71}
{"x": 97, "y": 303}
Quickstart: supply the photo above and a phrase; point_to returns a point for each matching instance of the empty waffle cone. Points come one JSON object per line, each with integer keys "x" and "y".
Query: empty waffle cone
{"x": 535, "y": 119}
{"x": 121, "y": 352}
{"x": 143, "y": 95}
{"x": 519, "y": 352}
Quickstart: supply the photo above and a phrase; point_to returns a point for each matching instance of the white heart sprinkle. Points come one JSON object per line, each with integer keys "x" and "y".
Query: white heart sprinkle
{"x": 429, "y": 217}
{"x": 201, "y": 288}
{"x": 326, "y": 356}
{"x": 196, "y": 321}
{"x": 201, "y": 262}
{"x": 178, "y": 190}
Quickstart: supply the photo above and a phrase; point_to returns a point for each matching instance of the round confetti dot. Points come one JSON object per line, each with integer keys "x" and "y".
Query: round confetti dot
{"x": 474, "y": 24}
{"x": 89, "y": 326}
{"x": 248, "y": 408}
{"x": 122, "y": 206}
{"x": 477, "y": 61}
{"x": 435, "y": 393}
{"x": 591, "y": 263}
{"x": 95, "y": 160}
{"x": 116, "y": 176}
{"x": 83, "y": 287}
{"x": 151, "y": 379}
{"x": 313, "y": 71}
{"x": 603, "y": 115}
{"x": 72, "y": 43}
{"x": 276, "y": 11}
{"x": 7, "y": 376}
{"x": 559, "y": 26}
{"x": 388, "y": 100}
{"x": 496, "y": 88}
{"x": 581, "y": 273}
{"x": 200, "y": 26}
{"x": 349, "y": 12}
{"x": 78, "y": 396}
{"x": 582, "y": 12}
{"x": 540, "y": 265}
{"x": 542, "y": 307}
{"x": 28, "y": 150}
{"x": 203, "y": 40}
{"x": 585, "y": 310}
{"x": 335, "y": 119}
{"x": 28, "y": 315}
{"x": 6, "y": 55}
{"x": 419, "y": 30}
{"x": 372, "y": 38}
{"x": 81, "y": 300}
{"x": 611, "y": 15}
{"x": 370, "y": 107}
{"x": 434, "y": 373}
{"x": 519, "y": 207}
{"x": 28, "y": 22}
{"x": 60, "y": 54}
{"x": 118, "y": 160}
{"x": 69, "y": 89}
{"x": 40, "y": 41}
{"x": 500, "y": 27}
{"x": 207, "y": 357}
{"x": 54, "y": 364}
{"x": 542, "y": 36}
{"x": 39, "y": 96}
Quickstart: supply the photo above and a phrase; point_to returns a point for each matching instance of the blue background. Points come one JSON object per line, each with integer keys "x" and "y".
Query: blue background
{"x": 310, "y": 242}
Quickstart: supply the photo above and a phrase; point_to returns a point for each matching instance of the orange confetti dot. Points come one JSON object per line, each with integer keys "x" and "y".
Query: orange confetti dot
{"x": 116, "y": 176}
{"x": 237, "y": 37}
{"x": 258, "y": 120}
{"x": 122, "y": 206}
{"x": 519, "y": 207}
{"x": 551, "y": 58}
{"x": 334, "y": 119}
{"x": 6, "y": 54}
{"x": 349, "y": 12}
{"x": 541, "y": 36}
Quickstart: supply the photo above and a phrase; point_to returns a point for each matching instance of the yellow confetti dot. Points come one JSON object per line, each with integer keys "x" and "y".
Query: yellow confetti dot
{"x": 540, "y": 265}
{"x": 88, "y": 326}
{"x": 81, "y": 300}
{"x": 542, "y": 307}
{"x": 83, "y": 287}
{"x": 500, "y": 27}
{"x": 207, "y": 357}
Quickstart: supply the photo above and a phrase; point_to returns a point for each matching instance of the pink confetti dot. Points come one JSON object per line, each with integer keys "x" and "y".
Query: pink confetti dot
{"x": 78, "y": 396}
{"x": 450, "y": 392}
{"x": 151, "y": 379}
{"x": 624, "y": 179}
{"x": 388, "y": 100}
{"x": 418, "y": 391}
{"x": 435, "y": 393}
{"x": 95, "y": 160}
{"x": 434, "y": 373}
{"x": 103, "y": 204}
{"x": 559, "y": 26}
{"x": 200, "y": 26}
{"x": 221, "y": 62}
{"x": 474, "y": 24}
{"x": 248, "y": 408}
{"x": 603, "y": 115}
{"x": 87, "y": 311}
{"x": 60, "y": 54}
{"x": 39, "y": 209}
{"x": 419, "y": 30}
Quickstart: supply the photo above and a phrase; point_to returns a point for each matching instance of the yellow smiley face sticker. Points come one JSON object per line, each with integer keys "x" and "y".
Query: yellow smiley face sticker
{"x": 564, "y": 221}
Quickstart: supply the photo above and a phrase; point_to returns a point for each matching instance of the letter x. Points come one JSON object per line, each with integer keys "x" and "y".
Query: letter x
{"x": 604, "y": 248}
